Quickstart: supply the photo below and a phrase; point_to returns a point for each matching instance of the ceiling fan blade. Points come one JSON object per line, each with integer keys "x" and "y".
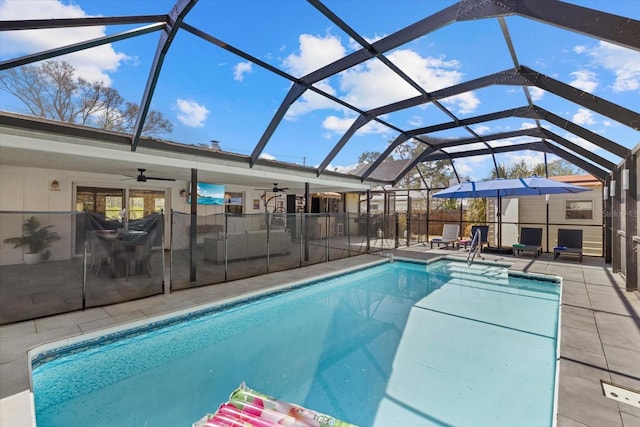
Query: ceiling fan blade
{"x": 143, "y": 178}
{"x": 160, "y": 179}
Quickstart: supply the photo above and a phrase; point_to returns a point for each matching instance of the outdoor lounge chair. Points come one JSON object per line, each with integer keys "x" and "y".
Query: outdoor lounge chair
{"x": 530, "y": 241}
{"x": 569, "y": 242}
{"x": 449, "y": 235}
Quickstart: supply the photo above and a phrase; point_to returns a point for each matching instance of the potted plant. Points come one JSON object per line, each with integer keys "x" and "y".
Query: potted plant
{"x": 37, "y": 238}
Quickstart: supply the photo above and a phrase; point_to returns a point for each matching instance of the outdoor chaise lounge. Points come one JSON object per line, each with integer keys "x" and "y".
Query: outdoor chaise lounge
{"x": 449, "y": 235}
{"x": 530, "y": 241}
{"x": 569, "y": 242}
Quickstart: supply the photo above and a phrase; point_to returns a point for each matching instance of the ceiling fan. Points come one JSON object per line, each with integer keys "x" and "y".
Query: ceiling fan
{"x": 275, "y": 188}
{"x": 143, "y": 178}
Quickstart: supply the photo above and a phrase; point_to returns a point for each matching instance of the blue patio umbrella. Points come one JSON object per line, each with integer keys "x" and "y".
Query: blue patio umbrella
{"x": 507, "y": 187}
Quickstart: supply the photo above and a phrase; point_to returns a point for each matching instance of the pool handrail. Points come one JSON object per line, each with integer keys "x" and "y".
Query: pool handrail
{"x": 474, "y": 248}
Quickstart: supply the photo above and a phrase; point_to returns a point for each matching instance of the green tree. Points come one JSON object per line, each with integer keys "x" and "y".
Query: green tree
{"x": 500, "y": 173}
{"x": 557, "y": 167}
{"x": 52, "y": 90}
{"x": 519, "y": 170}
{"x": 476, "y": 212}
{"x": 370, "y": 157}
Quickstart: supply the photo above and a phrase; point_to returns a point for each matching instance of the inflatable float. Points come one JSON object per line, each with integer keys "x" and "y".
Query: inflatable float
{"x": 249, "y": 408}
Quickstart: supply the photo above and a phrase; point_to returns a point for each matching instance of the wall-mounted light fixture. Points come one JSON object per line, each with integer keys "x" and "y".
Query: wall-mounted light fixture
{"x": 612, "y": 188}
{"x": 605, "y": 193}
{"x": 625, "y": 179}
{"x": 54, "y": 185}
{"x": 183, "y": 193}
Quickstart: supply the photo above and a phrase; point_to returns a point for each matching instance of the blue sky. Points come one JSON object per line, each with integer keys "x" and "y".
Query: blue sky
{"x": 210, "y": 94}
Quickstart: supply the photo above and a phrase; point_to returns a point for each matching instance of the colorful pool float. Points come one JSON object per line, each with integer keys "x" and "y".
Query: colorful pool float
{"x": 249, "y": 408}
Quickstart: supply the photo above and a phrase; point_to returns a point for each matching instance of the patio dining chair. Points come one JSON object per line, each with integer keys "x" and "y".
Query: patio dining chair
{"x": 569, "y": 242}
{"x": 138, "y": 253}
{"x": 450, "y": 234}
{"x": 530, "y": 241}
{"x": 99, "y": 251}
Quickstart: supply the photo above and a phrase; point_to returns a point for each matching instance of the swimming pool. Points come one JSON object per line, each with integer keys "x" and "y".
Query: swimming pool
{"x": 400, "y": 343}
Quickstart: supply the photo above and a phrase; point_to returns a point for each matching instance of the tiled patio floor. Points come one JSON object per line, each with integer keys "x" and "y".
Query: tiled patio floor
{"x": 600, "y": 332}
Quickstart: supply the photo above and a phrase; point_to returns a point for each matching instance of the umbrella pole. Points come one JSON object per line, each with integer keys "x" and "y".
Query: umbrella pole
{"x": 499, "y": 222}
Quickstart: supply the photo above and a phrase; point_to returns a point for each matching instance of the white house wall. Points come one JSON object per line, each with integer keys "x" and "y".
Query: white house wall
{"x": 24, "y": 189}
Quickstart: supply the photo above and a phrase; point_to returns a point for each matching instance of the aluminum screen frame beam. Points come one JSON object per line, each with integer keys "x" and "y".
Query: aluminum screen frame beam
{"x": 41, "y": 24}
{"x": 174, "y": 19}
{"x": 541, "y": 146}
{"x": 76, "y": 47}
{"x": 525, "y": 77}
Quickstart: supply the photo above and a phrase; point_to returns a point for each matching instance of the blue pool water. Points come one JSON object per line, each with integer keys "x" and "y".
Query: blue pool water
{"x": 397, "y": 344}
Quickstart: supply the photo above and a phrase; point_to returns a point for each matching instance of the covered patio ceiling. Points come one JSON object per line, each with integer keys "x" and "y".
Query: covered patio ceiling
{"x": 433, "y": 113}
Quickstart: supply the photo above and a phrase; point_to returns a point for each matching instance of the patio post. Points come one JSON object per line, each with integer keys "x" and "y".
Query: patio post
{"x": 607, "y": 235}
{"x": 397, "y": 231}
{"x": 84, "y": 264}
{"x": 194, "y": 224}
{"x": 305, "y": 222}
{"x": 546, "y": 199}
{"x": 327, "y": 233}
{"x": 616, "y": 220}
{"x": 428, "y": 212}
{"x": 226, "y": 240}
{"x": 629, "y": 184}
{"x": 409, "y": 208}
{"x": 368, "y": 220}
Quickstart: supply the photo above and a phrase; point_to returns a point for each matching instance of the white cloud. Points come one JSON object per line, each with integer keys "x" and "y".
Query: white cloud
{"x": 463, "y": 169}
{"x": 624, "y": 63}
{"x": 355, "y": 83}
{"x": 340, "y": 125}
{"x": 267, "y": 156}
{"x": 530, "y": 158}
{"x": 466, "y": 102}
{"x": 481, "y": 129}
{"x": 415, "y": 121}
{"x": 240, "y": 69}
{"x": 429, "y": 72}
{"x": 315, "y": 52}
{"x": 536, "y": 93}
{"x": 191, "y": 113}
{"x": 311, "y": 101}
{"x": 581, "y": 142}
{"x": 584, "y": 80}
{"x": 92, "y": 64}
{"x": 475, "y": 168}
{"x": 527, "y": 125}
{"x": 583, "y": 117}
{"x": 336, "y": 124}
{"x": 580, "y": 49}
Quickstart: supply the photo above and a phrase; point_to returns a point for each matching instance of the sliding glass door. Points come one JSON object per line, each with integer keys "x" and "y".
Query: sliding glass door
{"x": 110, "y": 202}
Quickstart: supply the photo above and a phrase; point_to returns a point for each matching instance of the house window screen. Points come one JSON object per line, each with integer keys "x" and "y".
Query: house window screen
{"x": 579, "y": 209}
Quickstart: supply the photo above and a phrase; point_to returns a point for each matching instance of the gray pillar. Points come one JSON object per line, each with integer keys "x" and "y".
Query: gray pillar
{"x": 631, "y": 222}
{"x": 368, "y": 220}
{"x": 305, "y": 220}
{"x": 607, "y": 232}
{"x": 615, "y": 222}
{"x": 194, "y": 224}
